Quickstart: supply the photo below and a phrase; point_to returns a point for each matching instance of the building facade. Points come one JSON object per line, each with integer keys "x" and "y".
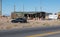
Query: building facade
{"x": 28, "y": 15}
{"x": 17, "y": 15}
{"x": 58, "y": 15}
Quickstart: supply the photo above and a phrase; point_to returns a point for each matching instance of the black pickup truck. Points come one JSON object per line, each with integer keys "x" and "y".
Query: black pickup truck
{"x": 21, "y": 20}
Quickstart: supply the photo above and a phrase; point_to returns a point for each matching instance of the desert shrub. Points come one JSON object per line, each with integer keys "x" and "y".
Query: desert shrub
{"x": 15, "y": 25}
{"x": 46, "y": 24}
{"x": 8, "y": 27}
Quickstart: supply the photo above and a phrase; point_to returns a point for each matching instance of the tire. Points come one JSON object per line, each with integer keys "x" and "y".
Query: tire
{"x": 14, "y": 22}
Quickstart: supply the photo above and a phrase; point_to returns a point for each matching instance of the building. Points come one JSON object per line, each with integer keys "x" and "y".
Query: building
{"x": 28, "y": 15}
{"x": 16, "y": 15}
{"x": 0, "y": 7}
{"x": 47, "y": 15}
{"x": 58, "y": 15}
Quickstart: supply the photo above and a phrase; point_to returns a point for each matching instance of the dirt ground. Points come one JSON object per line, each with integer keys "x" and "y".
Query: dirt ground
{"x": 6, "y": 24}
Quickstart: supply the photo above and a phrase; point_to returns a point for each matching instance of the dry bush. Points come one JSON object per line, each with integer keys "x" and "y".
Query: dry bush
{"x": 46, "y": 24}
{"x": 15, "y": 25}
{"x": 8, "y": 27}
{"x": 2, "y": 27}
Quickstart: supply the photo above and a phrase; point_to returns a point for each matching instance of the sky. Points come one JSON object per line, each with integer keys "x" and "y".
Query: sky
{"x": 50, "y": 6}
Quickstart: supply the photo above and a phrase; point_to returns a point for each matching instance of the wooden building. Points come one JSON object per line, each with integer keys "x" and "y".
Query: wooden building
{"x": 29, "y": 15}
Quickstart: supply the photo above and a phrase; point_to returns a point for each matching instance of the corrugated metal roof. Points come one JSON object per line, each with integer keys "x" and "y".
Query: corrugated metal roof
{"x": 26, "y": 12}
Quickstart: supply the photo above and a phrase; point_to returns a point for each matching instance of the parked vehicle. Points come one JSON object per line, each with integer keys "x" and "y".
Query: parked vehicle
{"x": 21, "y": 20}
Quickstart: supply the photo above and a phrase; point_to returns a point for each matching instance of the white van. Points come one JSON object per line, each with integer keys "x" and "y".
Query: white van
{"x": 53, "y": 17}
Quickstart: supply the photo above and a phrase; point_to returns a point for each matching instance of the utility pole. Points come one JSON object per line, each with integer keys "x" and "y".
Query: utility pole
{"x": 41, "y": 8}
{"x": 23, "y": 7}
{"x": 14, "y": 7}
{"x": 41, "y": 5}
{"x": 36, "y": 14}
{"x": 1, "y": 7}
{"x": 35, "y": 9}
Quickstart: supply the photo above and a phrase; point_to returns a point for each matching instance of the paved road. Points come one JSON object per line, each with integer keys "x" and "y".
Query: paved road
{"x": 29, "y": 32}
{"x": 47, "y": 34}
{"x": 56, "y": 35}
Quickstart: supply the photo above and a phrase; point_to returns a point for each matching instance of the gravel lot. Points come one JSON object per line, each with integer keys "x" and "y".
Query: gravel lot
{"x": 6, "y": 24}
